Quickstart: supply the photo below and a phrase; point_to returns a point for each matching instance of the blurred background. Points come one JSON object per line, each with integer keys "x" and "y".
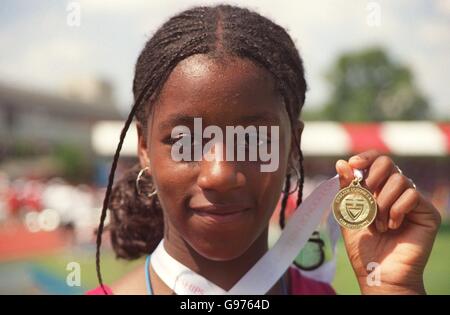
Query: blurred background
{"x": 378, "y": 75}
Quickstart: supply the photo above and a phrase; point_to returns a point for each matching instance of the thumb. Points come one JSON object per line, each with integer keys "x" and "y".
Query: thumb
{"x": 345, "y": 173}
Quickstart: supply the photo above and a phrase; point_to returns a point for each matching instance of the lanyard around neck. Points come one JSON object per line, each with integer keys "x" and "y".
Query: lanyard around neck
{"x": 270, "y": 267}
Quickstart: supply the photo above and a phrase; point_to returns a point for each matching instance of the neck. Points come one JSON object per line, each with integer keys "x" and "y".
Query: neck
{"x": 223, "y": 273}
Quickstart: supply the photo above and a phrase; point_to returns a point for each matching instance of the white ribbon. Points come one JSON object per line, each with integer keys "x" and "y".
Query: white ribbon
{"x": 269, "y": 268}
{"x": 178, "y": 277}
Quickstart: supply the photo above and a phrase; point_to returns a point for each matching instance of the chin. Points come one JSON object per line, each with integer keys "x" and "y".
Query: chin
{"x": 223, "y": 241}
{"x": 222, "y": 245}
{"x": 221, "y": 252}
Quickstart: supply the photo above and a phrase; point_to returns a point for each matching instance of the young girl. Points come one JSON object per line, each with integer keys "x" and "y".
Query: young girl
{"x": 230, "y": 66}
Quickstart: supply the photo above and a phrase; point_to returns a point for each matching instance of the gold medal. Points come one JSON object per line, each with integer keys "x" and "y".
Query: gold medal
{"x": 354, "y": 207}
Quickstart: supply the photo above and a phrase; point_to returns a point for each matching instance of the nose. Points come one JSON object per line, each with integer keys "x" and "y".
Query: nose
{"x": 219, "y": 175}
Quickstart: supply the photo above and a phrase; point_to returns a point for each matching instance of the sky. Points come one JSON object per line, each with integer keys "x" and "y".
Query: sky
{"x": 39, "y": 49}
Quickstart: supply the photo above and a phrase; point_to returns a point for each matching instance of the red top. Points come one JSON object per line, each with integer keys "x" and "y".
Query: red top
{"x": 300, "y": 285}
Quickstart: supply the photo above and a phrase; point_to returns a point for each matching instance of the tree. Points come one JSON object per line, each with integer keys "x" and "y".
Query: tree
{"x": 369, "y": 86}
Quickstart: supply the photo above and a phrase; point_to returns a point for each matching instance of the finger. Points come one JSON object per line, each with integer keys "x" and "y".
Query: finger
{"x": 364, "y": 159}
{"x": 406, "y": 203}
{"x": 424, "y": 214}
{"x": 391, "y": 191}
{"x": 345, "y": 173}
{"x": 379, "y": 172}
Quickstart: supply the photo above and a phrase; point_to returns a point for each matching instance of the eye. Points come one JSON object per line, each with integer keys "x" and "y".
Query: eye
{"x": 182, "y": 138}
{"x": 252, "y": 138}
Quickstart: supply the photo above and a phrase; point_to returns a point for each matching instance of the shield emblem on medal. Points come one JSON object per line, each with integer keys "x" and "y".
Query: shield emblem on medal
{"x": 354, "y": 207}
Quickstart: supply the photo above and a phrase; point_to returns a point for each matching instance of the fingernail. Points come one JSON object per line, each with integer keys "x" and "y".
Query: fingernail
{"x": 341, "y": 164}
{"x": 340, "y": 170}
{"x": 392, "y": 224}
{"x": 379, "y": 226}
{"x": 385, "y": 226}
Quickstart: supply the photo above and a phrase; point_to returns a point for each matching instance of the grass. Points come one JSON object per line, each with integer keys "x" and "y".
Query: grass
{"x": 111, "y": 268}
{"x": 437, "y": 272}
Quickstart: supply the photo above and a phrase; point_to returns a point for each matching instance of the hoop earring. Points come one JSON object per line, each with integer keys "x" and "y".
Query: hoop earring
{"x": 297, "y": 185}
{"x": 138, "y": 178}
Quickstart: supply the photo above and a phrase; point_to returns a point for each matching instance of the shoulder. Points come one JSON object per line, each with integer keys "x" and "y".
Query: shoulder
{"x": 300, "y": 284}
{"x": 132, "y": 283}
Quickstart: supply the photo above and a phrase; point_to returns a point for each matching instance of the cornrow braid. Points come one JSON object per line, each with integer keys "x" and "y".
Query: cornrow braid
{"x": 301, "y": 179}
{"x": 284, "y": 200}
{"x": 216, "y": 31}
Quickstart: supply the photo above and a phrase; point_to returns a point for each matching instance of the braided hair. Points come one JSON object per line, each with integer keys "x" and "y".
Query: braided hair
{"x": 136, "y": 224}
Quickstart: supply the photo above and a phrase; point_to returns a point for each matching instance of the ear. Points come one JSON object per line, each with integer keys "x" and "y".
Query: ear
{"x": 144, "y": 159}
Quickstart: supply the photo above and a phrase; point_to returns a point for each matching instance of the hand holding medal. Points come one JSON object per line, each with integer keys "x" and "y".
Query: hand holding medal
{"x": 385, "y": 220}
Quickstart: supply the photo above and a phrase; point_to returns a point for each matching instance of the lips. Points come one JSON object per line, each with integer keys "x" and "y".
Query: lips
{"x": 220, "y": 213}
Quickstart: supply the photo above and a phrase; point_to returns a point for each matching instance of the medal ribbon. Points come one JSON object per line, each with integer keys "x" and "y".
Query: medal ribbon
{"x": 270, "y": 267}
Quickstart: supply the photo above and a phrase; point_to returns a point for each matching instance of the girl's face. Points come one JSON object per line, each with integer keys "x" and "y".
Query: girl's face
{"x": 229, "y": 92}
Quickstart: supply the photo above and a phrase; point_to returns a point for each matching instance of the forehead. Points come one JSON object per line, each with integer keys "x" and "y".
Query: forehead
{"x": 219, "y": 89}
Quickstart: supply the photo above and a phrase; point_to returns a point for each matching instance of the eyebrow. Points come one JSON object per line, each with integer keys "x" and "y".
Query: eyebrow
{"x": 183, "y": 119}
{"x": 176, "y": 120}
{"x": 260, "y": 117}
